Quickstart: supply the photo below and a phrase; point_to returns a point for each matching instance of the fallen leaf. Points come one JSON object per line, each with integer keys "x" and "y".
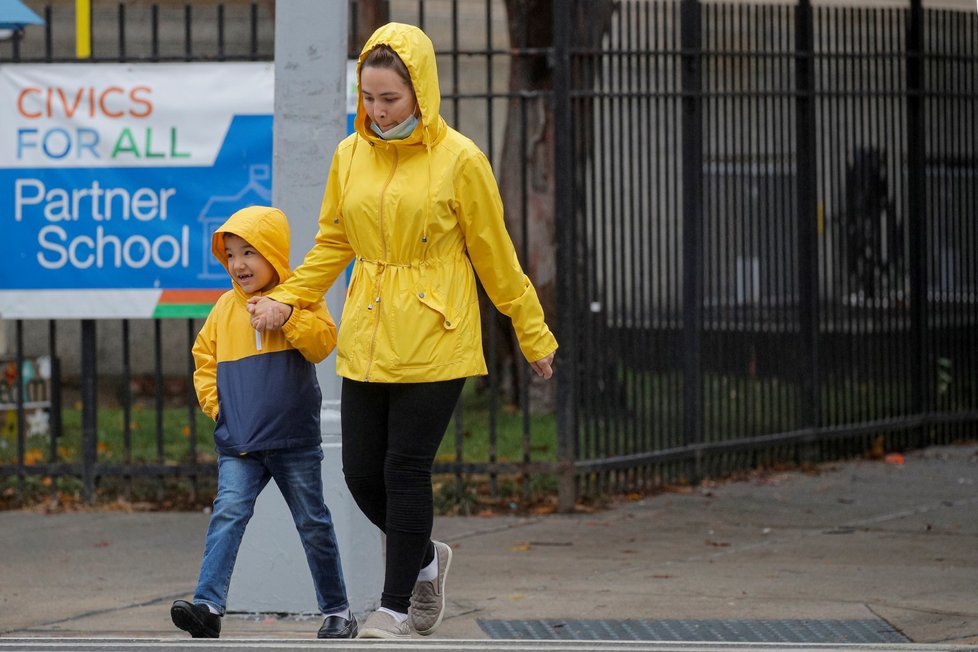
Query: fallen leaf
{"x": 677, "y": 489}
{"x": 894, "y": 458}
{"x": 875, "y": 451}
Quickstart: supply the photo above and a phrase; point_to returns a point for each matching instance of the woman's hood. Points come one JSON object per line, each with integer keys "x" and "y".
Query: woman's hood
{"x": 266, "y": 229}
{"x": 417, "y": 52}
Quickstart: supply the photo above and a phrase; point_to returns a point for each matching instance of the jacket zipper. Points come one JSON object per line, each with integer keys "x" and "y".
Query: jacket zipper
{"x": 383, "y": 269}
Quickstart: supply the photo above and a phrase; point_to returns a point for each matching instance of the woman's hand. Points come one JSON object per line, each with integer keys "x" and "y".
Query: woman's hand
{"x": 544, "y": 367}
{"x": 268, "y": 314}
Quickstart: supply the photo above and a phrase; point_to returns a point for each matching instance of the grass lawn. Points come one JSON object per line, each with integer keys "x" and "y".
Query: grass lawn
{"x": 479, "y": 432}
{"x": 514, "y": 436}
{"x": 169, "y": 431}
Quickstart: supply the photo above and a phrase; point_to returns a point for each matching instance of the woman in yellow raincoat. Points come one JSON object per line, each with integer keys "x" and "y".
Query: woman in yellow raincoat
{"x": 415, "y": 204}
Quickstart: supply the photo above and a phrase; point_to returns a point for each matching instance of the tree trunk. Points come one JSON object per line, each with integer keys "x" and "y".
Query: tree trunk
{"x": 367, "y": 16}
{"x": 527, "y": 168}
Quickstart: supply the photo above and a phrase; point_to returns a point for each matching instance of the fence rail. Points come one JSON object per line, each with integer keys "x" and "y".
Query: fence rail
{"x": 771, "y": 187}
{"x": 764, "y": 239}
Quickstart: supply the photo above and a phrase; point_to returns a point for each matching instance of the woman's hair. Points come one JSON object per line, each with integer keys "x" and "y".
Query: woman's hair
{"x": 382, "y": 56}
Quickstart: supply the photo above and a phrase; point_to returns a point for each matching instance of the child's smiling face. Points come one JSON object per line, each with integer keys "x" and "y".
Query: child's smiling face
{"x": 247, "y": 266}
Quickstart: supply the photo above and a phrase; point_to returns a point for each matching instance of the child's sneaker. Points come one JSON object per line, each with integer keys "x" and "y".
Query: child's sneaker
{"x": 338, "y": 627}
{"x": 196, "y": 619}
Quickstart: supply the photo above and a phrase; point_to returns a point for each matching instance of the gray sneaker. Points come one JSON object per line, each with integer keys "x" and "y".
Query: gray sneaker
{"x": 428, "y": 598}
{"x": 381, "y": 624}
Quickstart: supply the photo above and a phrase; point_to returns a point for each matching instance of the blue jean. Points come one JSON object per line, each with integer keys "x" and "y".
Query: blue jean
{"x": 298, "y": 474}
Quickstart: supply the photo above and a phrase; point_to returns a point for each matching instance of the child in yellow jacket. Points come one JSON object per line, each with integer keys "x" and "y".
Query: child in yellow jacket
{"x": 262, "y": 392}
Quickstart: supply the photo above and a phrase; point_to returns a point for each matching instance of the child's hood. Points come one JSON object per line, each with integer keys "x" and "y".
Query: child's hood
{"x": 266, "y": 229}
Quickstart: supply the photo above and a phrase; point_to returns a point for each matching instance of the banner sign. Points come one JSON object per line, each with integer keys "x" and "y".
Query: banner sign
{"x": 113, "y": 178}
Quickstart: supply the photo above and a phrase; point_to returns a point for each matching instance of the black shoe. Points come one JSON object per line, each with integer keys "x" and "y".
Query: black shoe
{"x": 338, "y": 627}
{"x": 196, "y": 619}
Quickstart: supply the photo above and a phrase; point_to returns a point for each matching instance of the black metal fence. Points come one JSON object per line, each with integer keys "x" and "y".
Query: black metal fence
{"x": 774, "y": 242}
{"x": 764, "y": 238}
{"x": 110, "y": 374}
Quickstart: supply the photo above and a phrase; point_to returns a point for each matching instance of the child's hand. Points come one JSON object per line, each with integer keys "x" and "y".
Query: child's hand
{"x": 544, "y": 367}
{"x": 268, "y": 314}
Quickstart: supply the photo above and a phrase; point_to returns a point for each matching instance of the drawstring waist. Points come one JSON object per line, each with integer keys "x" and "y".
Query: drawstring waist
{"x": 417, "y": 264}
{"x": 381, "y": 267}
{"x": 386, "y": 263}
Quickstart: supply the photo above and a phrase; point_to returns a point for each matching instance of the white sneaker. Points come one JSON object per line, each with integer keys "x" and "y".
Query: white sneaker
{"x": 428, "y": 598}
{"x": 381, "y": 624}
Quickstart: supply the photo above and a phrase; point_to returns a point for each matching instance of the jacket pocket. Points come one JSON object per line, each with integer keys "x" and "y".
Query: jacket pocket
{"x": 424, "y": 332}
{"x": 450, "y": 317}
{"x": 351, "y": 339}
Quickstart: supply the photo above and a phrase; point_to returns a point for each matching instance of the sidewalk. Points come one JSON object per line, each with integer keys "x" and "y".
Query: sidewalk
{"x": 861, "y": 542}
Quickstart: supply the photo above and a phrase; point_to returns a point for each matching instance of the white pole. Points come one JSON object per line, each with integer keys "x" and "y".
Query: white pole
{"x": 310, "y": 119}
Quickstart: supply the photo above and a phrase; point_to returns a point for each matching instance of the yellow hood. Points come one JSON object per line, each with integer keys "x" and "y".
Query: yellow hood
{"x": 416, "y": 51}
{"x": 266, "y": 229}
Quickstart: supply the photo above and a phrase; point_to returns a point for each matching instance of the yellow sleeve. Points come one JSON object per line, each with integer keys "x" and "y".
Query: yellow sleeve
{"x": 205, "y": 367}
{"x": 491, "y": 250}
{"x": 312, "y": 331}
{"x": 328, "y": 257}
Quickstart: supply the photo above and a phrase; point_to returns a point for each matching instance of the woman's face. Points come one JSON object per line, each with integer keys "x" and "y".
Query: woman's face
{"x": 387, "y": 99}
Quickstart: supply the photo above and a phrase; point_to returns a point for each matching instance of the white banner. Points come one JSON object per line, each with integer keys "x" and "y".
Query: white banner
{"x": 125, "y": 115}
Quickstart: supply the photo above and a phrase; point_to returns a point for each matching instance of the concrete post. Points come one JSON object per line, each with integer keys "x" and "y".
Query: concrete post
{"x": 310, "y": 119}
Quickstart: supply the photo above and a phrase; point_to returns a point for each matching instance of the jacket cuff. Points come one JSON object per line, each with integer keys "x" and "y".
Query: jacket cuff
{"x": 288, "y": 328}
{"x": 535, "y": 337}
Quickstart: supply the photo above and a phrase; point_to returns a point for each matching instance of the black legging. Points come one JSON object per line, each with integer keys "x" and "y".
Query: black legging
{"x": 391, "y": 432}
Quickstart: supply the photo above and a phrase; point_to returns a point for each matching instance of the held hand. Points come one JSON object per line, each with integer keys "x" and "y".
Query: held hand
{"x": 544, "y": 367}
{"x": 268, "y": 314}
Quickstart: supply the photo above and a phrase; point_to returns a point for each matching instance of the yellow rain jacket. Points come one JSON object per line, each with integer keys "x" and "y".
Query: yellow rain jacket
{"x": 417, "y": 215}
{"x": 261, "y": 388}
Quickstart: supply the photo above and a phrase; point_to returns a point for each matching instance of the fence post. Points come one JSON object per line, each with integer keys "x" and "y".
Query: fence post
{"x": 21, "y": 413}
{"x": 89, "y": 401}
{"x": 692, "y": 201}
{"x": 916, "y": 208}
{"x": 807, "y": 216}
{"x": 565, "y": 218}
{"x": 56, "y": 423}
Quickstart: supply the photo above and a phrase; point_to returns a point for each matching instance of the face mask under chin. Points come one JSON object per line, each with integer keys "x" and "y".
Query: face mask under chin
{"x": 398, "y": 131}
